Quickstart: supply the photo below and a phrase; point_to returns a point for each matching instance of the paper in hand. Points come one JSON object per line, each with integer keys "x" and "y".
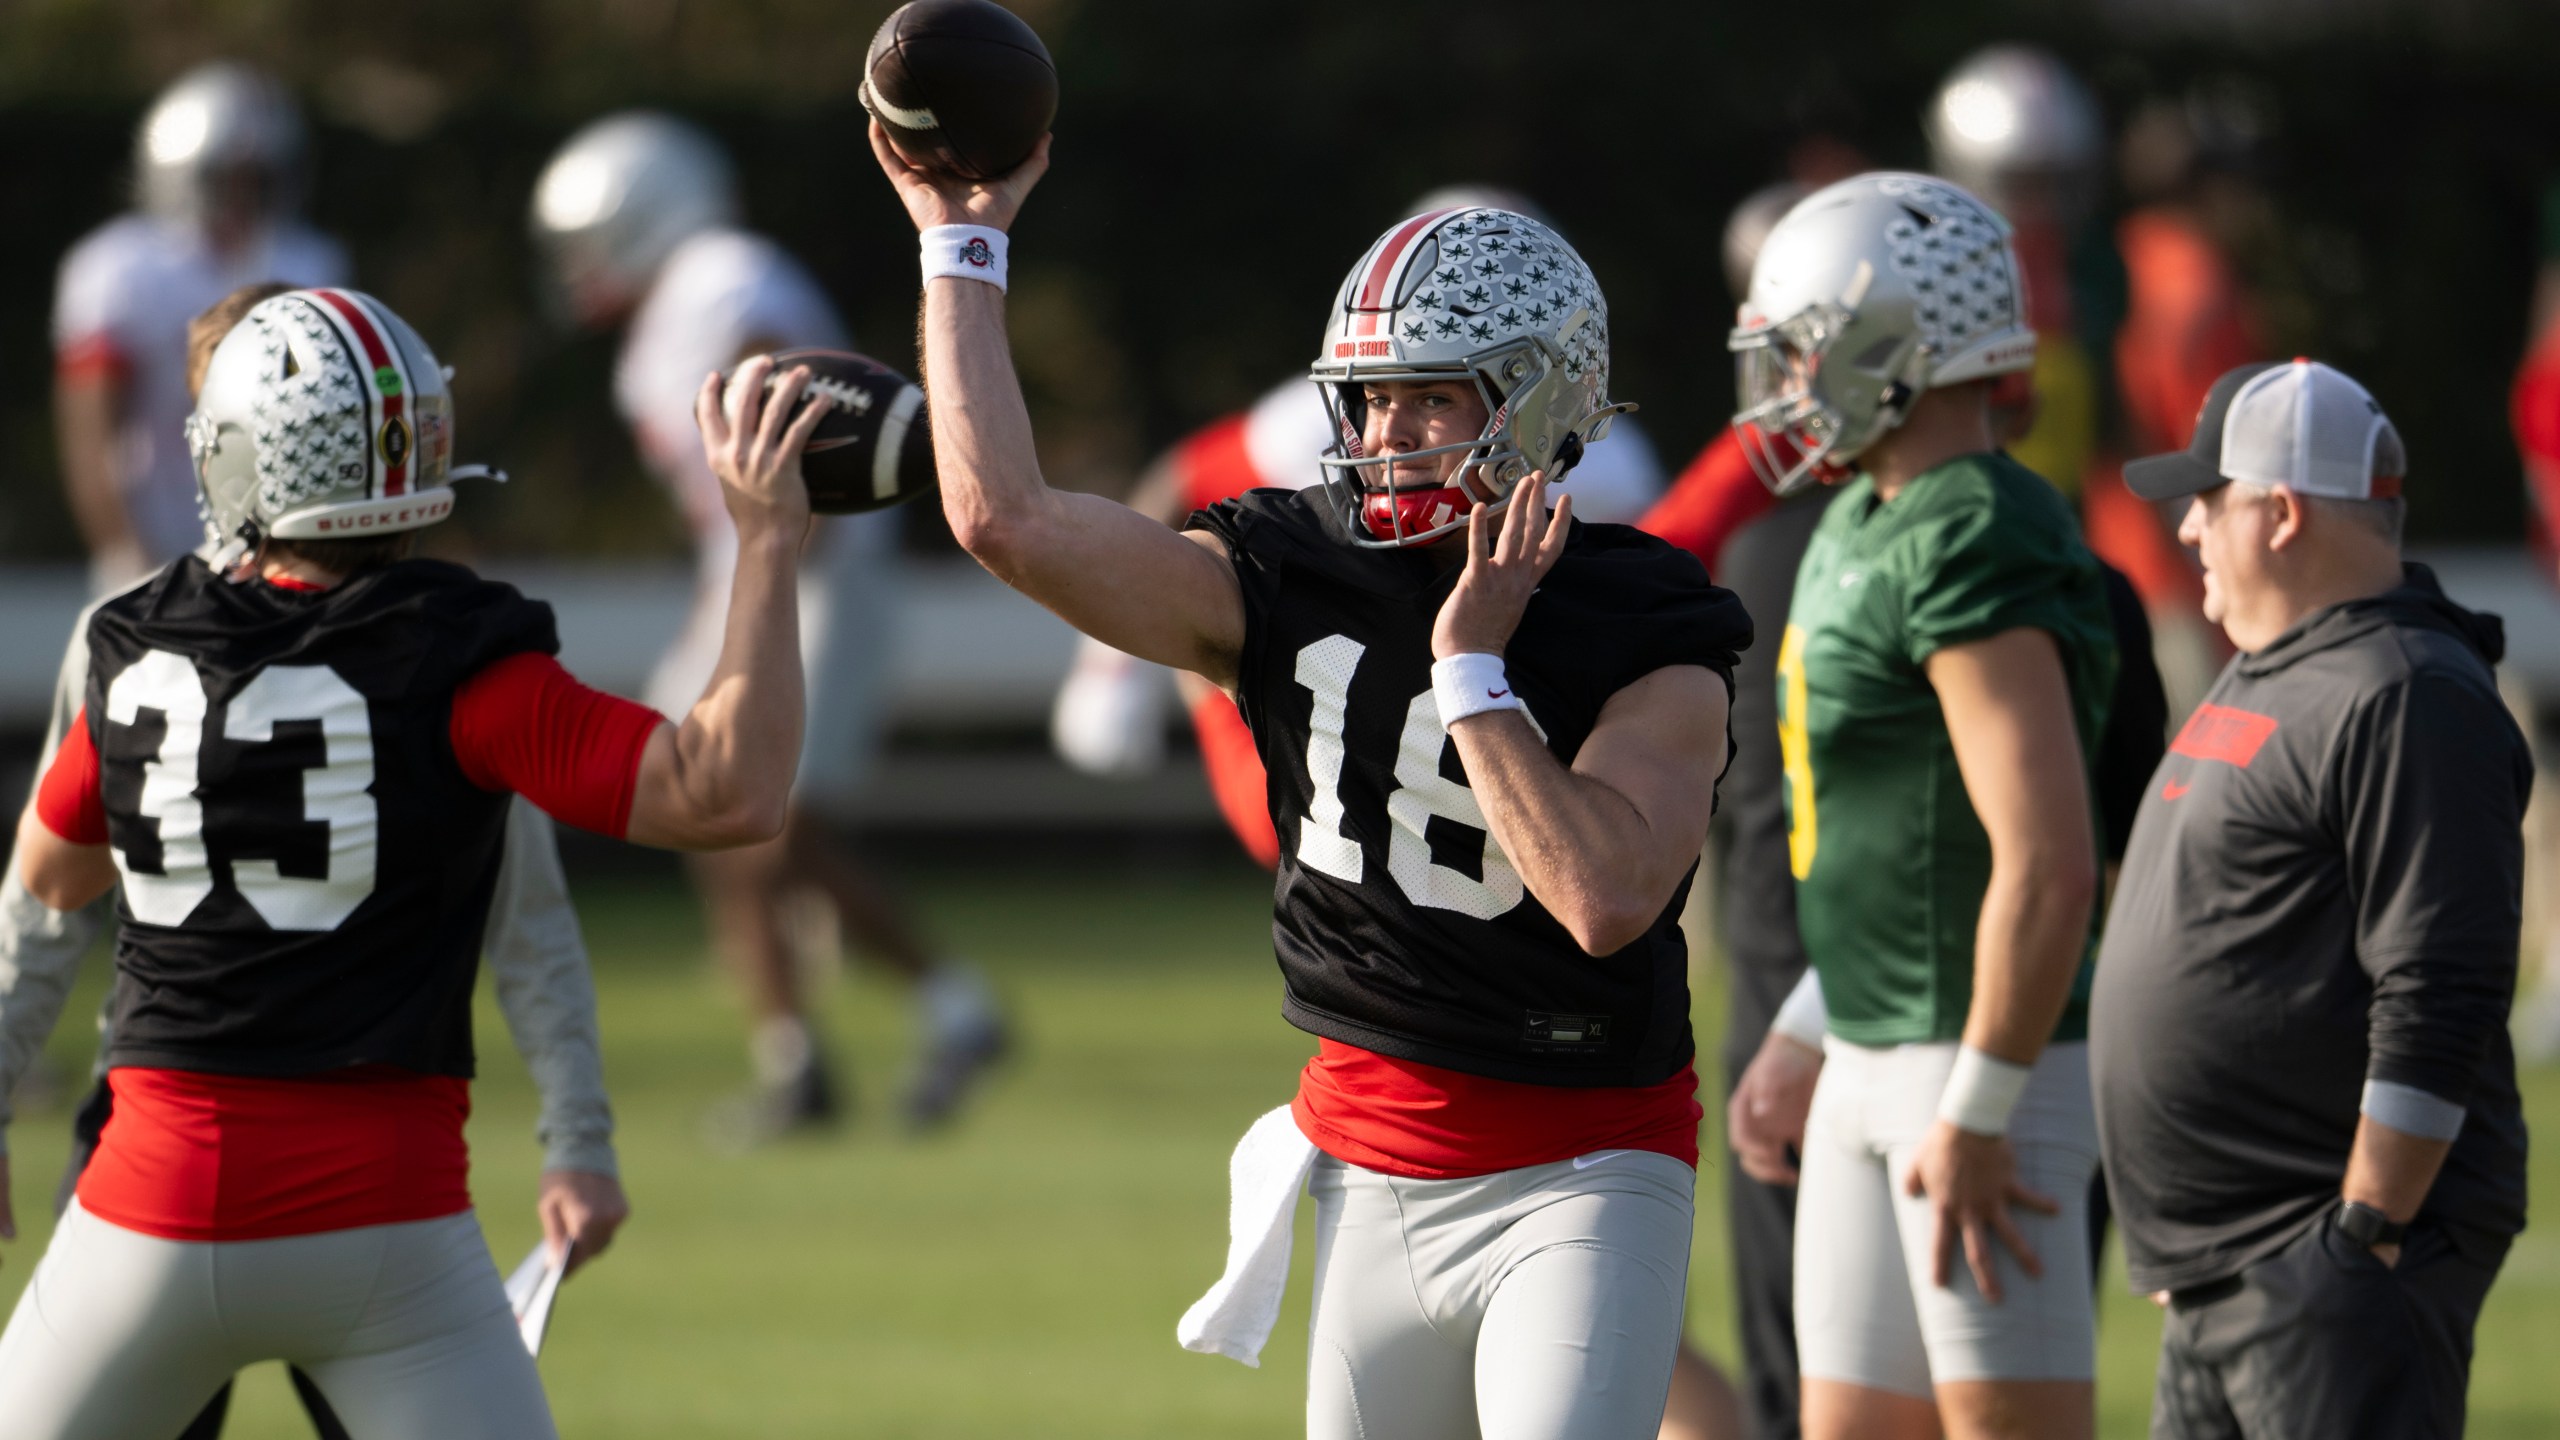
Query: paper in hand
{"x": 531, "y": 1290}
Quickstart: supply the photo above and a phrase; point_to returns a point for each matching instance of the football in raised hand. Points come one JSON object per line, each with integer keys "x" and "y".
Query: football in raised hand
{"x": 873, "y": 449}
{"x": 963, "y": 87}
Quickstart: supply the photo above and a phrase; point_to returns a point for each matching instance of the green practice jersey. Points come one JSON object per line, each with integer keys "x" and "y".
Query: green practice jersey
{"x": 1889, "y": 857}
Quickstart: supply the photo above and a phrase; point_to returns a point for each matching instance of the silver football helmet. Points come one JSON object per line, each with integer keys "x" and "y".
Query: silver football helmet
{"x": 2013, "y": 125}
{"x": 620, "y": 196}
{"x": 215, "y": 122}
{"x": 323, "y": 416}
{"x": 1490, "y": 297}
{"x": 1871, "y": 292}
{"x": 1748, "y": 227}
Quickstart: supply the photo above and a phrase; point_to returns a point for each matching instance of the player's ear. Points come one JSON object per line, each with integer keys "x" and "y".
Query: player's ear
{"x": 2286, "y": 514}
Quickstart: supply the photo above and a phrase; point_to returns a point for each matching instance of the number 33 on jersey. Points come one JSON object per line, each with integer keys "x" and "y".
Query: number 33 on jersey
{"x": 290, "y": 761}
{"x": 1399, "y": 923}
{"x": 279, "y": 763}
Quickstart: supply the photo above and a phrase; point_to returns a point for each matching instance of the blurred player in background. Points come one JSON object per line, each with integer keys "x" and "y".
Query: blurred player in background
{"x": 1477, "y": 910}
{"x": 638, "y": 217}
{"x": 1942, "y": 686}
{"x": 2534, "y": 409}
{"x": 295, "y": 764}
{"x": 537, "y": 966}
{"x": 2016, "y": 128}
{"x": 218, "y": 167}
{"x": 1109, "y": 717}
{"x": 1750, "y": 542}
{"x": 2190, "y": 316}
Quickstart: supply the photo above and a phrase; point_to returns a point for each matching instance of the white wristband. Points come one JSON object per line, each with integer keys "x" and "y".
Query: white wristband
{"x": 1471, "y": 684}
{"x": 1803, "y": 1018}
{"x": 1981, "y": 1092}
{"x": 966, "y": 252}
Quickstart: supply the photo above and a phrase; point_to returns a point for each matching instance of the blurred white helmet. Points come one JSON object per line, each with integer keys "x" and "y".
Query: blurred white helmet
{"x": 620, "y": 196}
{"x": 1870, "y": 293}
{"x": 2013, "y": 124}
{"x": 1748, "y": 227}
{"x": 1487, "y": 296}
{"x": 215, "y": 122}
{"x": 323, "y": 417}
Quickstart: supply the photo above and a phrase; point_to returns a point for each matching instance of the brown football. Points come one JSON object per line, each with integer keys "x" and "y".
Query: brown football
{"x": 873, "y": 449}
{"x": 962, "y": 86}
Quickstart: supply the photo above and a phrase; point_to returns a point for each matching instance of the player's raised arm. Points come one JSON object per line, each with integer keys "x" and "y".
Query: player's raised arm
{"x": 723, "y": 776}
{"x": 1111, "y": 572}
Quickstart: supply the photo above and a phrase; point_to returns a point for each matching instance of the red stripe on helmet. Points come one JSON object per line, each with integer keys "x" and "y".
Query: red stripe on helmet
{"x": 1390, "y": 257}
{"x": 377, "y": 353}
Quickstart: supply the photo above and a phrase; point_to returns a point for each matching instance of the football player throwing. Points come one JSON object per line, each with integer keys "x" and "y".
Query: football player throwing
{"x": 637, "y": 214}
{"x": 1493, "y": 735}
{"x": 294, "y": 763}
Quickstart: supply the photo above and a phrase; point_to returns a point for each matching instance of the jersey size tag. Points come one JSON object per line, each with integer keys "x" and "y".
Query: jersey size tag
{"x": 1547, "y": 1030}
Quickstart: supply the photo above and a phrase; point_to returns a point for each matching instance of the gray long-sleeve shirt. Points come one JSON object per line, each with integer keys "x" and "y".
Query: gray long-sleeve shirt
{"x": 2320, "y": 903}
{"x": 537, "y": 962}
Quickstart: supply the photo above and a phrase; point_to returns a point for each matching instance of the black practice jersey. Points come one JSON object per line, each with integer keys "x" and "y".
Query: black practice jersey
{"x": 1401, "y": 926}
{"x": 306, "y": 870}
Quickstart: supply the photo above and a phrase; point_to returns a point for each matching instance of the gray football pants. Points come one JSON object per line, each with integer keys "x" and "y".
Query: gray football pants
{"x": 404, "y": 1327}
{"x": 1533, "y": 1304}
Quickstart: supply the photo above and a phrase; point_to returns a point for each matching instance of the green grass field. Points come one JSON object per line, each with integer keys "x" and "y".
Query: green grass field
{"x": 1021, "y": 1275}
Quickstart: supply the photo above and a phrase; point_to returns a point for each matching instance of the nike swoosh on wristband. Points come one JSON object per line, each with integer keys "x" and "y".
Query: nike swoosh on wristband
{"x": 1495, "y": 694}
{"x": 1585, "y": 1162}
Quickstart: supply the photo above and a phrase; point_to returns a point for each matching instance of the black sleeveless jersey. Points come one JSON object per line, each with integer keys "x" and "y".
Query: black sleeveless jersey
{"x": 1400, "y": 925}
{"x": 305, "y": 869}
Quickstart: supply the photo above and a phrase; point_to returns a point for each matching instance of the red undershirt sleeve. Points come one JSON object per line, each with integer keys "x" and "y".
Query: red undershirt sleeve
{"x": 1717, "y": 495}
{"x": 528, "y": 726}
{"x": 68, "y": 799}
{"x": 1215, "y": 464}
{"x": 92, "y": 359}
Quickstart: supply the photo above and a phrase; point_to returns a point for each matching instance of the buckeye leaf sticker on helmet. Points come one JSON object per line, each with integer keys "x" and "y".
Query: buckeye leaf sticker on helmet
{"x": 873, "y": 449}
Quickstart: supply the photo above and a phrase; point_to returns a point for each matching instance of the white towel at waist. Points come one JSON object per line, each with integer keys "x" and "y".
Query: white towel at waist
{"x": 1265, "y": 1177}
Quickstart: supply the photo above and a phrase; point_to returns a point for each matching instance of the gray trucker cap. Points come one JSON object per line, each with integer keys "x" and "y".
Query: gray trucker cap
{"x": 2303, "y": 425}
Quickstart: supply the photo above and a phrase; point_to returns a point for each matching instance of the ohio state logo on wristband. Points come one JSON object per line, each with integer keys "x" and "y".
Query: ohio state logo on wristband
{"x": 965, "y": 252}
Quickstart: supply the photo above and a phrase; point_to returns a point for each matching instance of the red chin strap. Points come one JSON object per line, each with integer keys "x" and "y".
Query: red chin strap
{"x": 1417, "y": 510}
{"x": 1783, "y": 450}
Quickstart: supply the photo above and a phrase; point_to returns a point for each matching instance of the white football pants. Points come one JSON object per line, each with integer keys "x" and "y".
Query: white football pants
{"x": 1534, "y": 1304}
{"x": 1868, "y": 1311}
{"x": 404, "y": 1327}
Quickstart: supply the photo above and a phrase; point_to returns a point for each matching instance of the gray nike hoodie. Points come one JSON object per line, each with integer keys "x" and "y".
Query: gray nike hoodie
{"x": 2323, "y": 888}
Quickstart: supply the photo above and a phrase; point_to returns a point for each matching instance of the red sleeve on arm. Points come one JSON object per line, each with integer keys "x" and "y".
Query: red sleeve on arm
{"x": 1215, "y": 464}
{"x": 526, "y": 725}
{"x": 2535, "y": 409}
{"x": 68, "y": 799}
{"x": 92, "y": 359}
{"x": 1717, "y": 495}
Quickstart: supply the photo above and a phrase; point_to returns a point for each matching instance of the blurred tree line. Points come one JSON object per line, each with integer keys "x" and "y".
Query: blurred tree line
{"x": 1218, "y": 167}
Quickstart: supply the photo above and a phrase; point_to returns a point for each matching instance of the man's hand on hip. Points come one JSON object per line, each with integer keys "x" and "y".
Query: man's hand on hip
{"x": 1971, "y": 1181}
